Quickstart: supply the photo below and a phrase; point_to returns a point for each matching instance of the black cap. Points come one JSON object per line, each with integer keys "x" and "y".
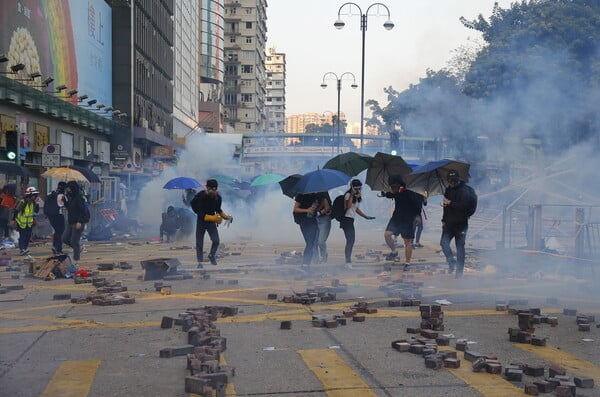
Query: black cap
{"x": 212, "y": 183}
{"x": 356, "y": 182}
{"x": 396, "y": 180}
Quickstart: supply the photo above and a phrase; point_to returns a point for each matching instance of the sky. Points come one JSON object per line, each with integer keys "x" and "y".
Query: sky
{"x": 425, "y": 34}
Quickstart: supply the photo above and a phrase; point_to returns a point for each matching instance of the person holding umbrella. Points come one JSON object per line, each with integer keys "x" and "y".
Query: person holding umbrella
{"x": 207, "y": 205}
{"x": 459, "y": 204}
{"x": 352, "y": 200}
{"x": 305, "y": 215}
{"x": 407, "y": 205}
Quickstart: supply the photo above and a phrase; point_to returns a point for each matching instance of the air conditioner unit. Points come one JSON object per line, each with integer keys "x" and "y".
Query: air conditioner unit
{"x": 28, "y": 103}
{"x": 42, "y": 108}
{"x": 12, "y": 98}
{"x": 144, "y": 122}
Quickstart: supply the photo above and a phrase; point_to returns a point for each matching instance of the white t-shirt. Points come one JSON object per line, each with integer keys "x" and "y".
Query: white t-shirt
{"x": 351, "y": 212}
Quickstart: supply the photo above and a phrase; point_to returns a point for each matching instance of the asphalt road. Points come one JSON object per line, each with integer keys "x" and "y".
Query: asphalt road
{"x": 56, "y": 348}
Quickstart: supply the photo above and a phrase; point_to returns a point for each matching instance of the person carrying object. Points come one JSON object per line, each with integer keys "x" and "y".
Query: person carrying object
{"x": 207, "y": 205}
{"x": 305, "y": 211}
{"x": 76, "y": 218}
{"x": 352, "y": 200}
{"x": 25, "y": 210}
{"x": 54, "y": 208}
{"x": 407, "y": 205}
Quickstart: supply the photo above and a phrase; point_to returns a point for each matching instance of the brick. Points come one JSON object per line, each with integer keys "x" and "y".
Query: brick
{"x": 584, "y": 327}
{"x": 472, "y": 356}
{"x": 584, "y": 382}
{"x": 416, "y": 348}
{"x": 479, "y": 365}
{"x": 285, "y": 325}
{"x": 196, "y": 385}
{"x": 461, "y": 345}
{"x": 169, "y": 352}
{"x": 401, "y": 345}
{"x": 544, "y": 386}
{"x": 429, "y": 334}
{"x": 358, "y": 319}
{"x": 534, "y": 370}
{"x": 61, "y": 297}
{"x": 494, "y": 368}
{"x": 538, "y": 341}
{"x": 451, "y": 363}
{"x": 331, "y": 323}
{"x": 554, "y": 370}
{"x": 433, "y": 362}
{"x": 531, "y": 390}
{"x": 563, "y": 391}
{"x": 514, "y": 375}
{"x": 570, "y": 312}
{"x": 442, "y": 340}
{"x": 413, "y": 330}
{"x": 167, "y": 322}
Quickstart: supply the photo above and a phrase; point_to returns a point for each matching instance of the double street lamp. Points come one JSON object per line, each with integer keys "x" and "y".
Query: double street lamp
{"x": 388, "y": 25}
{"x": 329, "y": 76}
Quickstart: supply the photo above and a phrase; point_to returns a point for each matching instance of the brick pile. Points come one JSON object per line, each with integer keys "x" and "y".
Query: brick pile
{"x": 527, "y": 318}
{"x": 203, "y": 349}
{"x": 107, "y": 293}
{"x": 408, "y": 292}
{"x": 319, "y": 293}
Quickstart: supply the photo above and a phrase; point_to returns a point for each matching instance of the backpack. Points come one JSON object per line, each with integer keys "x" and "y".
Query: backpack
{"x": 338, "y": 209}
{"x": 85, "y": 214}
{"x": 51, "y": 205}
{"x": 471, "y": 205}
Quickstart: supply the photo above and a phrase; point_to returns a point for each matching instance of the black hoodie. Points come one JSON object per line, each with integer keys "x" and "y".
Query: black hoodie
{"x": 74, "y": 203}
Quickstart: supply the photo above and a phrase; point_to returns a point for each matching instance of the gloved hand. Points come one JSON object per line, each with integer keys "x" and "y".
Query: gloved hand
{"x": 213, "y": 218}
{"x": 230, "y": 219}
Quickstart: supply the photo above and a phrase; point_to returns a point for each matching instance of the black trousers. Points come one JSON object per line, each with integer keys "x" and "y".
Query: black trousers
{"x": 201, "y": 228}
{"x": 347, "y": 225}
{"x": 58, "y": 224}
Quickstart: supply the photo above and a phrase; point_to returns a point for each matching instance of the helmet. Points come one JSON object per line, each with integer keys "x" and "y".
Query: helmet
{"x": 31, "y": 190}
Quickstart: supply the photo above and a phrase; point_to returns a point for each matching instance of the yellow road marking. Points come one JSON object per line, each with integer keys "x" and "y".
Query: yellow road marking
{"x": 488, "y": 385}
{"x": 566, "y": 360}
{"x": 72, "y": 379}
{"x": 230, "y": 389}
{"x": 338, "y": 379}
{"x": 84, "y": 324}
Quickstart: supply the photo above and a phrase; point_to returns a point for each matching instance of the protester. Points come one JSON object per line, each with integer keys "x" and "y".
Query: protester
{"x": 305, "y": 211}
{"x": 7, "y": 206}
{"x": 169, "y": 225}
{"x": 457, "y": 205}
{"x": 54, "y": 208}
{"x": 187, "y": 196}
{"x": 207, "y": 205}
{"x": 323, "y": 225}
{"x": 407, "y": 205}
{"x": 352, "y": 200}
{"x": 420, "y": 223}
{"x": 76, "y": 218}
{"x": 25, "y": 210}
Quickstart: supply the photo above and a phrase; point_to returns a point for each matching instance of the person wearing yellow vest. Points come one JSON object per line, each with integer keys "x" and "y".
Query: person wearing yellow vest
{"x": 24, "y": 213}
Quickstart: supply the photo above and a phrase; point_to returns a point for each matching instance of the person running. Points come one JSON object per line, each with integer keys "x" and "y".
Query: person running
{"x": 25, "y": 210}
{"x": 407, "y": 205}
{"x": 207, "y": 205}
{"x": 305, "y": 211}
{"x": 352, "y": 200}
{"x": 459, "y": 202}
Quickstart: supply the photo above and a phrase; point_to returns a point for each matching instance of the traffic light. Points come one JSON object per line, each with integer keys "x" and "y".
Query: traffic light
{"x": 12, "y": 145}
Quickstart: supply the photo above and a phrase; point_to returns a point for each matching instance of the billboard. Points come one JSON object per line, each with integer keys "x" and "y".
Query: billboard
{"x": 68, "y": 40}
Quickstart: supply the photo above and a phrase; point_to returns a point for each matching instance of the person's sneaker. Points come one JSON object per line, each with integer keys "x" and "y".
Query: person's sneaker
{"x": 405, "y": 267}
{"x": 200, "y": 266}
{"x": 391, "y": 256}
{"x": 417, "y": 245}
{"x": 348, "y": 266}
{"x": 24, "y": 252}
{"x": 458, "y": 275}
{"x": 213, "y": 260}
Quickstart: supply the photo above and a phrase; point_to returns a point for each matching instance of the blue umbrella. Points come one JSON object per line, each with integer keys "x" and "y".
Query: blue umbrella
{"x": 431, "y": 178}
{"x": 320, "y": 181}
{"x": 182, "y": 182}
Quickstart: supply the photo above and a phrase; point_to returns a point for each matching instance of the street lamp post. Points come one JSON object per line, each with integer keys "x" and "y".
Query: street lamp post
{"x": 329, "y": 76}
{"x": 339, "y": 24}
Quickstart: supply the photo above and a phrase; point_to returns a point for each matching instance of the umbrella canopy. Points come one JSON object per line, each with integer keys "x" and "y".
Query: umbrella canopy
{"x": 224, "y": 179}
{"x": 89, "y": 174}
{"x": 13, "y": 169}
{"x": 321, "y": 181}
{"x": 431, "y": 178}
{"x": 288, "y": 185}
{"x": 350, "y": 163}
{"x": 65, "y": 174}
{"x": 181, "y": 183}
{"x": 266, "y": 179}
{"x": 383, "y": 166}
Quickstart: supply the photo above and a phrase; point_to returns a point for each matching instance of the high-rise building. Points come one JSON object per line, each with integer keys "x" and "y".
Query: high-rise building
{"x": 212, "y": 66}
{"x": 275, "y": 104}
{"x": 186, "y": 74}
{"x": 244, "y": 83}
{"x": 297, "y": 123}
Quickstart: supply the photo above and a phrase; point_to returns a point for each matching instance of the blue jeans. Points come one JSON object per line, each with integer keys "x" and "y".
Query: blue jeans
{"x": 203, "y": 227}
{"x": 347, "y": 225}
{"x": 309, "y": 229}
{"x": 459, "y": 234}
{"x": 324, "y": 225}
{"x": 71, "y": 237}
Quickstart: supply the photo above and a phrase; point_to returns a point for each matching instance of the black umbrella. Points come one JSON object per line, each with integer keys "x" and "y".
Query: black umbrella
{"x": 350, "y": 163}
{"x": 383, "y": 166}
{"x": 288, "y": 185}
{"x": 89, "y": 175}
{"x": 430, "y": 178}
{"x": 13, "y": 169}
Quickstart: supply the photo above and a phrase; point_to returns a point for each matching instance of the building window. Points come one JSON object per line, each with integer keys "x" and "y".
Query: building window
{"x": 248, "y": 126}
{"x": 232, "y": 39}
{"x": 248, "y": 40}
{"x": 248, "y": 10}
{"x": 246, "y": 97}
{"x": 247, "y": 69}
{"x": 248, "y": 25}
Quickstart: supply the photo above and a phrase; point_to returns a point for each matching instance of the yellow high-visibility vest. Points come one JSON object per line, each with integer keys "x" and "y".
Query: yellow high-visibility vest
{"x": 24, "y": 218}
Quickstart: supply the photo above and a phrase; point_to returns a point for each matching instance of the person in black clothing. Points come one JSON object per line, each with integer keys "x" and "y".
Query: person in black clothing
{"x": 407, "y": 205}
{"x": 454, "y": 222}
{"x": 305, "y": 211}
{"x": 57, "y": 221}
{"x": 76, "y": 219}
{"x": 169, "y": 225}
{"x": 207, "y": 205}
{"x": 419, "y": 224}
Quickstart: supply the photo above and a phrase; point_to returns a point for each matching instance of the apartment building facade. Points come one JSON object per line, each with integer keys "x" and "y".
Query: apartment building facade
{"x": 244, "y": 93}
{"x": 275, "y": 101}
